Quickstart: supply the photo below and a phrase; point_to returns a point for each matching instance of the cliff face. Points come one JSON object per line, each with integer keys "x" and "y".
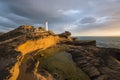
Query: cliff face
{"x": 29, "y": 53}
{"x": 41, "y": 43}
{"x": 97, "y": 63}
{"x": 16, "y": 44}
{"x": 29, "y": 46}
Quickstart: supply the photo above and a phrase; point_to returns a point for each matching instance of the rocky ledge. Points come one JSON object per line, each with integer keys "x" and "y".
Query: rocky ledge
{"x": 23, "y": 51}
{"x": 97, "y": 63}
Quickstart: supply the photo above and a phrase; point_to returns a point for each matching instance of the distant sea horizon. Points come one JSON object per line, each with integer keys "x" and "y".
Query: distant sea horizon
{"x": 103, "y": 41}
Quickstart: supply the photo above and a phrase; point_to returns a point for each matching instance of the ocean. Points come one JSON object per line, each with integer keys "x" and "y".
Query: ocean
{"x": 108, "y": 42}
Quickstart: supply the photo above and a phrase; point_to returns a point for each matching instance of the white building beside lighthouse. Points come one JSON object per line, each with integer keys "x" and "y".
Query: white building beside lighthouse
{"x": 46, "y": 25}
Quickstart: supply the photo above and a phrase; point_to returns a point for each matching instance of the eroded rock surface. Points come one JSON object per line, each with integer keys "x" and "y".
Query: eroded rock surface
{"x": 98, "y": 63}
{"x": 17, "y": 43}
{"x": 28, "y": 53}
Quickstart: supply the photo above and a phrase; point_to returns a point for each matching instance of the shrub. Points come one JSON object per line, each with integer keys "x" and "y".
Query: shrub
{"x": 50, "y": 32}
{"x": 42, "y": 28}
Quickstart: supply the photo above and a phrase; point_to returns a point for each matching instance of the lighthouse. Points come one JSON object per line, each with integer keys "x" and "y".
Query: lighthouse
{"x": 46, "y": 25}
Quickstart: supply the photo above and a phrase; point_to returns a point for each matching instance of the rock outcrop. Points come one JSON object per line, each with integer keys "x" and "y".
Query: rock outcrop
{"x": 22, "y": 51}
{"x": 15, "y": 44}
{"x": 98, "y": 63}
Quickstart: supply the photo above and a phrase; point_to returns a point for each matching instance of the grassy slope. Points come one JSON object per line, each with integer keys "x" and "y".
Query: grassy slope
{"x": 58, "y": 62}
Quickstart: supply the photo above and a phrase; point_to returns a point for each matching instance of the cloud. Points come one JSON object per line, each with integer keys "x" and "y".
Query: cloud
{"x": 78, "y": 16}
{"x": 69, "y": 12}
{"x": 94, "y": 20}
{"x": 103, "y": 20}
{"x": 6, "y": 22}
{"x": 88, "y": 20}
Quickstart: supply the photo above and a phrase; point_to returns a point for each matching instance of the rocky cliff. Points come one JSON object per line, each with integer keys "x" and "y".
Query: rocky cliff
{"x": 17, "y": 43}
{"x": 29, "y": 53}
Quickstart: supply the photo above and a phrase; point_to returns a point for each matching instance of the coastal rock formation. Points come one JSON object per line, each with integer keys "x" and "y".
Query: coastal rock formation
{"x": 29, "y": 53}
{"x": 98, "y": 63}
{"x": 15, "y": 44}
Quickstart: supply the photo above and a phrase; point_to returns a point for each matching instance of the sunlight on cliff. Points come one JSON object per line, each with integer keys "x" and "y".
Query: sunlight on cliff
{"x": 29, "y": 46}
{"x": 42, "y": 43}
{"x": 15, "y": 70}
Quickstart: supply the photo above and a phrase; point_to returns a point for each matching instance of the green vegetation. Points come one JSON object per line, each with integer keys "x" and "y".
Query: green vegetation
{"x": 61, "y": 66}
{"x": 42, "y": 28}
{"x": 58, "y": 63}
{"x": 50, "y": 32}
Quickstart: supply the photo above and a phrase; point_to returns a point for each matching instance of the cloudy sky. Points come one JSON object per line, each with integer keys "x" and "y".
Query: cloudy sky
{"x": 81, "y": 17}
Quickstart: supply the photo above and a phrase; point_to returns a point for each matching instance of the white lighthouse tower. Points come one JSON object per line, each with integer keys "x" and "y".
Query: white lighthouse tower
{"x": 46, "y": 25}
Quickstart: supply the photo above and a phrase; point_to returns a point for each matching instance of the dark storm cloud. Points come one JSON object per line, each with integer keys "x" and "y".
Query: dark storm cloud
{"x": 38, "y": 11}
{"x": 74, "y": 15}
{"x": 88, "y": 20}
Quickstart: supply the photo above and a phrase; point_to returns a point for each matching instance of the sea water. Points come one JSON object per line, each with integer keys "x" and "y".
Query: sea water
{"x": 108, "y": 42}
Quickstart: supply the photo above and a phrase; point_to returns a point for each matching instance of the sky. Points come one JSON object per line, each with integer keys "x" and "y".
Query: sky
{"x": 80, "y": 17}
